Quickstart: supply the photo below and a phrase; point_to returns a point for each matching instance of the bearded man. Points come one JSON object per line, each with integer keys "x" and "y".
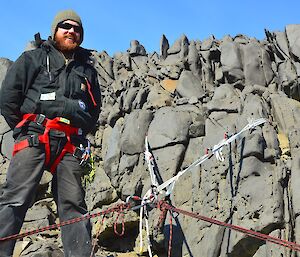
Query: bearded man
{"x": 51, "y": 99}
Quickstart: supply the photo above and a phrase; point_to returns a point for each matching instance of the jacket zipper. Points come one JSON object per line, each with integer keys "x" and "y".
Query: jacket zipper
{"x": 48, "y": 67}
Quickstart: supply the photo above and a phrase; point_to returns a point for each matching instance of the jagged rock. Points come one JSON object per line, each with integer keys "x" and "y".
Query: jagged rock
{"x": 164, "y": 47}
{"x": 254, "y": 89}
{"x": 189, "y": 85}
{"x": 6, "y": 139}
{"x": 257, "y": 64}
{"x": 292, "y": 33}
{"x": 139, "y": 65}
{"x": 107, "y": 237}
{"x": 278, "y": 44}
{"x": 208, "y": 43}
{"x": 4, "y": 65}
{"x": 286, "y": 112}
{"x": 176, "y": 47}
{"x": 184, "y": 46}
{"x": 112, "y": 156}
{"x": 122, "y": 63}
{"x": 178, "y": 52}
{"x": 288, "y": 79}
{"x": 131, "y": 175}
{"x": 104, "y": 66}
{"x": 225, "y": 99}
{"x": 168, "y": 160}
{"x": 295, "y": 178}
{"x": 269, "y": 249}
{"x": 135, "y": 129}
{"x": 169, "y": 126}
{"x": 254, "y": 107}
{"x": 194, "y": 59}
{"x": 231, "y": 61}
{"x": 100, "y": 192}
{"x": 172, "y": 71}
{"x": 198, "y": 117}
{"x": 20, "y": 246}
{"x": 136, "y": 48}
{"x": 264, "y": 213}
{"x": 140, "y": 98}
{"x": 42, "y": 249}
{"x": 191, "y": 154}
{"x": 169, "y": 85}
{"x": 38, "y": 216}
{"x": 157, "y": 98}
{"x": 127, "y": 98}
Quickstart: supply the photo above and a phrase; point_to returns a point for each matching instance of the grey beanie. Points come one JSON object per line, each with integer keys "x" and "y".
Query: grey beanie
{"x": 63, "y": 16}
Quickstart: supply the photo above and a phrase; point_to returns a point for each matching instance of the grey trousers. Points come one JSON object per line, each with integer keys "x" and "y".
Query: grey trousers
{"x": 23, "y": 176}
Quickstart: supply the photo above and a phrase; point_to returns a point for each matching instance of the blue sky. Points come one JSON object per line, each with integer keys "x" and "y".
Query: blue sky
{"x": 111, "y": 25}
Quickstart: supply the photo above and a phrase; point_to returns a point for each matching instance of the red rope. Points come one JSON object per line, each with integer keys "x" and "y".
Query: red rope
{"x": 163, "y": 206}
{"x": 97, "y": 235}
{"x": 291, "y": 245}
{"x": 120, "y": 214}
{"x": 171, "y": 233}
{"x": 119, "y": 208}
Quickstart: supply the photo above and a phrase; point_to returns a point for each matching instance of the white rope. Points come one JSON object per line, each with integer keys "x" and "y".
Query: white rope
{"x": 150, "y": 160}
{"x": 144, "y": 216}
{"x": 216, "y": 150}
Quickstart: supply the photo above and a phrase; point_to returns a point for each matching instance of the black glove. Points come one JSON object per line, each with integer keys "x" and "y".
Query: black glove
{"x": 76, "y": 111}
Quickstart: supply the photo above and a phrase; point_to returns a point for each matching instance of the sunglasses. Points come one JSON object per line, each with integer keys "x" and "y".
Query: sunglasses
{"x": 68, "y": 26}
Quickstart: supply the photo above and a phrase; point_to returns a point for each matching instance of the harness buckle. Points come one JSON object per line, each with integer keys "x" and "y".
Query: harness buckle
{"x": 78, "y": 153}
{"x": 40, "y": 118}
{"x": 33, "y": 140}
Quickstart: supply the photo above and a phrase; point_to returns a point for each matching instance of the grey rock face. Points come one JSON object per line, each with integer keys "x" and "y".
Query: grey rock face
{"x": 135, "y": 129}
{"x": 231, "y": 61}
{"x": 168, "y": 127}
{"x": 136, "y": 48}
{"x": 292, "y": 33}
{"x": 189, "y": 85}
{"x": 257, "y": 64}
{"x": 186, "y": 99}
{"x": 164, "y": 46}
{"x": 4, "y": 65}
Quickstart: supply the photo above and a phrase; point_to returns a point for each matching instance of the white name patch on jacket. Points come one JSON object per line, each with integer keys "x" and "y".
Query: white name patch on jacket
{"x": 48, "y": 96}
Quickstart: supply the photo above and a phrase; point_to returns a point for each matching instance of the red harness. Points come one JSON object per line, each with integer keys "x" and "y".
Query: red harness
{"x": 59, "y": 124}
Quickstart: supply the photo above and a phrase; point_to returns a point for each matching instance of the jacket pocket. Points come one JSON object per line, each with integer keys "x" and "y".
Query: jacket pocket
{"x": 83, "y": 90}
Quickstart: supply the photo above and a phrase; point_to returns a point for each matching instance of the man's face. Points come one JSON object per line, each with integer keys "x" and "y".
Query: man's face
{"x": 67, "y": 36}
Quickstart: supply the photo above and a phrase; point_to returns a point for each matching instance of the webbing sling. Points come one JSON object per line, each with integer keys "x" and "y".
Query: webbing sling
{"x": 49, "y": 124}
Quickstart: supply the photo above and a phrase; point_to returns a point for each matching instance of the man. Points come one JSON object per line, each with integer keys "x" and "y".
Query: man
{"x": 51, "y": 99}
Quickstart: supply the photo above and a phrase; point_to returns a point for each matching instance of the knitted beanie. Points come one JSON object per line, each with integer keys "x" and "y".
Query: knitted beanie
{"x": 63, "y": 16}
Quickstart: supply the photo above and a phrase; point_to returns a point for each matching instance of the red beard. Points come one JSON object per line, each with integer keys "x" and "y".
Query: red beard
{"x": 66, "y": 45}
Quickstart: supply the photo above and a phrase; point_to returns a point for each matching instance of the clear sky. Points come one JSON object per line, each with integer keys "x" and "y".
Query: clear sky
{"x": 110, "y": 25}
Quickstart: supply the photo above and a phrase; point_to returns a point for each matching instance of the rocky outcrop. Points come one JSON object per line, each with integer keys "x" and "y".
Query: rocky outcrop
{"x": 185, "y": 98}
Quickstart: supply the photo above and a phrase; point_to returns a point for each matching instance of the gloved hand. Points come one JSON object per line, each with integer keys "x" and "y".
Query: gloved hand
{"x": 76, "y": 111}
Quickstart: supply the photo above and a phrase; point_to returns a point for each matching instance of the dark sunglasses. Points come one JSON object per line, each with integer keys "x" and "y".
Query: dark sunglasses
{"x": 68, "y": 26}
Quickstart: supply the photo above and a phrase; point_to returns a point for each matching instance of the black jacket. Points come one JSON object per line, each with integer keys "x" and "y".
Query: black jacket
{"x": 40, "y": 82}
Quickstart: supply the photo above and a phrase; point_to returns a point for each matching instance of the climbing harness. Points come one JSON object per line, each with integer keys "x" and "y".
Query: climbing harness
{"x": 59, "y": 124}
